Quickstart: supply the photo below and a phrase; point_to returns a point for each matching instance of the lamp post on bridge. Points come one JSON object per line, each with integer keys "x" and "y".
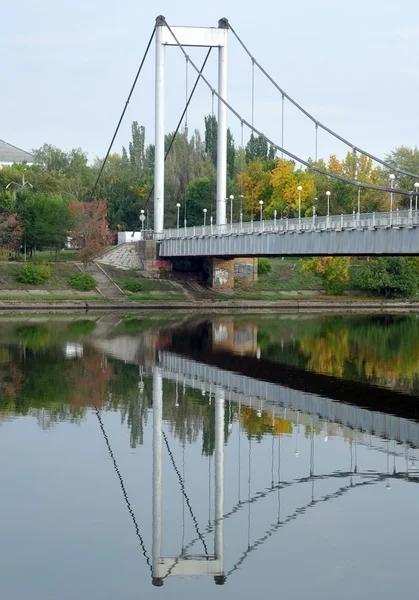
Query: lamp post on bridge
{"x": 392, "y": 178}
{"x": 142, "y": 219}
{"x": 178, "y": 209}
{"x": 205, "y": 216}
{"x": 328, "y": 193}
{"x": 299, "y": 188}
{"x": 241, "y": 210}
{"x": 416, "y": 184}
{"x": 231, "y": 211}
{"x": 261, "y": 212}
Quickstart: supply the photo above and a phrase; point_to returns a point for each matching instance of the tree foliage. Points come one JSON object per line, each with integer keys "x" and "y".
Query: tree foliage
{"x": 333, "y": 270}
{"x": 393, "y": 277}
{"x": 90, "y": 232}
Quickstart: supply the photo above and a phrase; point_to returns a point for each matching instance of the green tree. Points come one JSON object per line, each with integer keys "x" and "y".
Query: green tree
{"x": 137, "y": 149}
{"x": 394, "y": 277}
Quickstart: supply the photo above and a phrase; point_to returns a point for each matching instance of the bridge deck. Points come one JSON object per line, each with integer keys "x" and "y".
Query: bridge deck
{"x": 369, "y": 234}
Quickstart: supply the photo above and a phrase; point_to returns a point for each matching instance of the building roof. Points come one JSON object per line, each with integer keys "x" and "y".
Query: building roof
{"x": 11, "y": 154}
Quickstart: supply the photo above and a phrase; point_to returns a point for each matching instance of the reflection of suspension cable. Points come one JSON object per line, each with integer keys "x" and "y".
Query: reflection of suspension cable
{"x": 294, "y": 515}
{"x": 297, "y": 451}
{"x": 121, "y": 483}
{"x": 183, "y": 498}
{"x": 272, "y": 451}
{"x": 239, "y": 445}
{"x": 209, "y": 491}
{"x": 182, "y": 487}
{"x": 249, "y": 482}
{"x": 312, "y": 458}
{"x": 279, "y": 478}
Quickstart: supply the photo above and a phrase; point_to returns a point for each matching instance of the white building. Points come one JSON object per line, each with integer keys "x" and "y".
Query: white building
{"x": 9, "y": 155}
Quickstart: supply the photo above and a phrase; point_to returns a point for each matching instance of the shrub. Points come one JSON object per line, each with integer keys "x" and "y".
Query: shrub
{"x": 34, "y": 273}
{"x": 132, "y": 285}
{"x": 83, "y": 282}
{"x": 264, "y": 266}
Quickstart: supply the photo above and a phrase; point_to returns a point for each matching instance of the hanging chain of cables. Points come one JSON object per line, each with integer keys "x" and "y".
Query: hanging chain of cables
{"x": 310, "y": 116}
{"x": 140, "y": 68}
{"x": 279, "y": 148}
{"x": 121, "y": 483}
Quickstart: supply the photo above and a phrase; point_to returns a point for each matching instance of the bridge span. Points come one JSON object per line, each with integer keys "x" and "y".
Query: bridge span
{"x": 369, "y": 234}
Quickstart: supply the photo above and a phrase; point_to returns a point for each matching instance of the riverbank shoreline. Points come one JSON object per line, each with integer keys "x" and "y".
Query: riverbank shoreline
{"x": 211, "y": 306}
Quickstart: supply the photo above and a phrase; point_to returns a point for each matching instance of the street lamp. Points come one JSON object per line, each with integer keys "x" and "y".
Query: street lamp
{"x": 241, "y": 209}
{"x": 21, "y": 185}
{"x": 261, "y": 210}
{"x": 178, "y": 209}
{"x": 328, "y": 202}
{"x": 392, "y": 178}
{"x": 416, "y": 184}
{"x": 299, "y": 188}
{"x": 205, "y": 216}
{"x": 142, "y": 219}
{"x": 231, "y": 210}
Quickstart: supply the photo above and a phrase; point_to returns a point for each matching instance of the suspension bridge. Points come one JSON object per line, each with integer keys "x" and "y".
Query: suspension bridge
{"x": 389, "y": 233}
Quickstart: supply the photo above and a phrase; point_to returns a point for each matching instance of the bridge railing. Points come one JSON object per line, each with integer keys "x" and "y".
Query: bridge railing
{"x": 398, "y": 218}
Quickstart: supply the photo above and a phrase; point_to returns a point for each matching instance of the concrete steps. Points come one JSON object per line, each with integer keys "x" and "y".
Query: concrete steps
{"x": 105, "y": 286}
{"x": 124, "y": 256}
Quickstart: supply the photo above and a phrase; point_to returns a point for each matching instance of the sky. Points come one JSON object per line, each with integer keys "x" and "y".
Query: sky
{"x": 67, "y": 68}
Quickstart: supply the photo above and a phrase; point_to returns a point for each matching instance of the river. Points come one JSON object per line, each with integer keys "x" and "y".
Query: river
{"x": 194, "y": 457}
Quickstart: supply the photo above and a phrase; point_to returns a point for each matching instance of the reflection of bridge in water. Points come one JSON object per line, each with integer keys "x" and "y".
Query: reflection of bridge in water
{"x": 395, "y": 436}
{"x": 217, "y": 386}
{"x": 267, "y": 386}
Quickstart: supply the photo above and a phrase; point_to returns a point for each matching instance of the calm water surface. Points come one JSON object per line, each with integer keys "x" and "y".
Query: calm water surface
{"x": 201, "y": 457}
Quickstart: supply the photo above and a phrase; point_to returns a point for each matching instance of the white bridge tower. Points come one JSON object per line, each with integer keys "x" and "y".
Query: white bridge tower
{"x": 209, "y": 37}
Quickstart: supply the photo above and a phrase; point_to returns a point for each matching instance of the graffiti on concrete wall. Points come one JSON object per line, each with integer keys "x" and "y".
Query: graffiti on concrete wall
{"x": 243, "y": 270}
{"x": 221, "y": 276}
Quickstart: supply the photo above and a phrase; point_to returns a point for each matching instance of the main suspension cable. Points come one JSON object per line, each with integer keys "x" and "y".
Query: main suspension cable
{"x": 279, "y": 148}
{"x": 180, "y": 121}
{"x": 122, "y": 114}
{"x": 315, "y": 121}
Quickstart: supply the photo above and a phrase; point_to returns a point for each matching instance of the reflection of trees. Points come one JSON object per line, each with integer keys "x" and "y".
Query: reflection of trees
{"x": 257, "y": 426}
{"x": 382, "y": 350}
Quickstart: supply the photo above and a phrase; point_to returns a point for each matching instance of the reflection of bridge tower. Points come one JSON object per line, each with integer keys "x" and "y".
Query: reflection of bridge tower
{"x": 209, "y": 565}
{"x": 240, "y": 338}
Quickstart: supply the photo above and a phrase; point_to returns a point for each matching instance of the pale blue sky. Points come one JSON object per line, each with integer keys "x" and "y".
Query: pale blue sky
{"x": 67, "y": 67}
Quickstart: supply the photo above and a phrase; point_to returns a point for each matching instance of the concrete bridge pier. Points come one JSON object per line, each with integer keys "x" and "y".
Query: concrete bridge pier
{"x": 225, "y": 271}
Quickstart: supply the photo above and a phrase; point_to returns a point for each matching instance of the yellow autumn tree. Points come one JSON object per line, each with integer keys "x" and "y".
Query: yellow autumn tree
{"x": 285, "y": 180}
{"x": 254, "y": 182}
{"x": 333, "y": 270}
